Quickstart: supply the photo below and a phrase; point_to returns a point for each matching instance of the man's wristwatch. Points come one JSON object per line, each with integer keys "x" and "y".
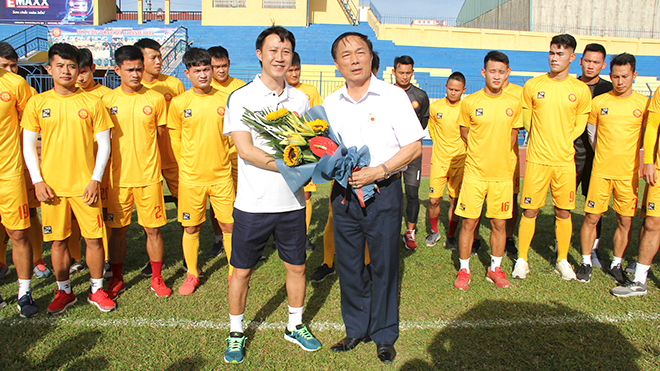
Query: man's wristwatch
{"x": 387, "y": 171}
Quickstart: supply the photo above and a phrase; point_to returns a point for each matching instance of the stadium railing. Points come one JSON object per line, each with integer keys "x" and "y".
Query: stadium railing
{"x": 173, "y": 49}
{"x": 33, "y": 38}
{"x": 159, "y": 16}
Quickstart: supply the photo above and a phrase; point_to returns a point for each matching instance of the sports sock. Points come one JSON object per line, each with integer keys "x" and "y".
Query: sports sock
{"x": 190, "y": 244}
{"x": 308, "y": 212}
{"x": 74, "y": 241}
{"x": 64, "y": 286}
{"x": 329, "y": 241}
{"x": 226, "y": 242}
{"x": 465, "y": 264}
{"x": 236, "y": 322}
{"x": 641, "y": 271}
{"x": 596, "y": 242}
{"x": 295, "y": 317}
{"x": 615, "y": 261}
{"x": 453, "y": 224}
{"x": 525, "y": 235}
{"x": 23, "y": 287}
{"x": 367, "y": 258}
{"x": 117, "y": 271}
{"x": 586, "y": 259}
{"x": 495, "y": 262}
{"x": 563, "y": 230}
{"x": 434, "y": 224}
{"x": 218, "y": 238}
{"x": 96, "y": 284}
{"x": 156, "y": 269}
{"x": 36, "y": 238}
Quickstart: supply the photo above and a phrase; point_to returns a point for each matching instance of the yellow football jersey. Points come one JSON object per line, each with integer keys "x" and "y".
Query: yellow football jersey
{"x": 448, "y": 147}
{"x": 555, "y": 106}
{"x": 490, "y": 120}
{"x": 135, "y": 156}
{"x": 515, "y": 90}
{"x": 14, "y": 95}
{"x": 67, "y": 125}
{"x": 619, "y": 136}
{"x": 228, "y": 86}
{"x": 312, "y": 94}
{"x": 197, "y": 121}
{"x": 170, "y": 87}
{"x": 98, "y": 90}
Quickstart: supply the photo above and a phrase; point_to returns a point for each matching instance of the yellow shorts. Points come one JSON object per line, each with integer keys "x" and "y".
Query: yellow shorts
{"x": 56, "y": 218}
{"x": 625, "y": 196}
{"x": 442, "y": 176}
{"x": 14, "y": 211}
{"x": 33, "y": 203}
{"x": 310, "y": 187}
{"x": 192, "y": 203}
{"x": 560, "y": 178}
{"x": 148, "y": 201}
{"x": 497, "y": 194}
{"x": 651, "y": 201}
{"x": 172, "y": 180}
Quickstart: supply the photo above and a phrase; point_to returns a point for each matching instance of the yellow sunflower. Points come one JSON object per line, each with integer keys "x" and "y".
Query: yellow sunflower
{"x": 277, "y": 114}
{"x": 292, "y": 155}
{"x": 318, "y": 125}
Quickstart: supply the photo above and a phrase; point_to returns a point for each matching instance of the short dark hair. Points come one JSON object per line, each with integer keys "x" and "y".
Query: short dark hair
{"x": 623, "y": 59}
{"x": 196, "y": 57}
{"x": 147, "y": 44}
{"x": 86, "y": 58}
{"x": 496, "y": 56}
{"x": 565, "y": 40}
{"x": 218, "y": 52}
{"x": 457, "y": 76}
{"x": 7, "y": 51}
{"x": 404, "y": 59}
{"x": 296, "y": 59}
{"x": 280, "y": 31}
{"x": 341, "y": 37}
{"x": 65, "y": 51}
{"x": 594, "y": 47}
{"x": 375, "y": 62}
{"x": 128, "y": 53}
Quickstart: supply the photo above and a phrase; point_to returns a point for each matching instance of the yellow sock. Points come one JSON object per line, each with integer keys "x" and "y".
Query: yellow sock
{"x": 74, "y": 241}
{"x": 367, "y": 259}
{"x": 35, "y": 237}
{"x": 308, "y": 212}
{"x": 525, "y": 235}
{"x": 190, "y": 244}
{"x": 106, "y": 240}
{"x": 3, "y": 245}
{"x": 329, "y": 242}
{"x": 563, "y": 231}
{"x": 226, "y": 241}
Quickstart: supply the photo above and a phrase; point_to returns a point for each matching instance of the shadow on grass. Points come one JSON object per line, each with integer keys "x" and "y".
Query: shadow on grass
{"x": 498, "y": 335}
{"x": 188, "y": 364}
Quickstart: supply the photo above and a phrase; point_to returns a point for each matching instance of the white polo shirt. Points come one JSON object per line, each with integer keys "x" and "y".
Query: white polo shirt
{"x": 260, "y": 190}
{"x": 383, "y": 120}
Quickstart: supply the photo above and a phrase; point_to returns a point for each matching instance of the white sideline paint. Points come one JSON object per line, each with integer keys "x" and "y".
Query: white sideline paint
{"x": 326, "y": 325}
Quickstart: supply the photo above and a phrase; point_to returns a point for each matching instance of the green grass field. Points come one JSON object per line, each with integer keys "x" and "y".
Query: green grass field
{"x": 541, "y": 323}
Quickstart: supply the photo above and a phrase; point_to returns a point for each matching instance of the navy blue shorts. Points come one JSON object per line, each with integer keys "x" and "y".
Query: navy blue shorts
{"x": 252, "y": 231}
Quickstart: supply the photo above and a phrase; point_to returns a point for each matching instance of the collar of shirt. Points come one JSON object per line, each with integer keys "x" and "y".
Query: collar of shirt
{"x": 263, "y": 90}
{"x": 374, "y": 88}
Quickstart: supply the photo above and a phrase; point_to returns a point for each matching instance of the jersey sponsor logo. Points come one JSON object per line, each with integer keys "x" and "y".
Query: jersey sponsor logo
{"x": 528, "y": 200}
{"x": 45, "y": 113}
{"x": 5, "y": 96}
{"x": 221, "y": 111}
{"x": 168, "y": 96}
{"x": 479, "y": 112}
{"x": 83, "y": 114}
{"x": 431, "y": 189}
{"x": 113, "y": 110}
{"x": 637, "y": 113}
{"x": 572, "y": 97}
{"x": 651, "y": 206}
{"x": 591, "y": 204}
{"x": 187, "y": 113}
{"x": 439, "y": 115}
{"x": 415, "y": 104}
{"x": 509, "y": 112}
{"x": 48, "y": 229}
{"x": 111, "y": 217}
{"x": 540, "y": 95}
{"x": 147, "y": 110}
{"x": 186, "y": 216}
{"x": 462, "y": 206}
{"x": 603, "y": 111}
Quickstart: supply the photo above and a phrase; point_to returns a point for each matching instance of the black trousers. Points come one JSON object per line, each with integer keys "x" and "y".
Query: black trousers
{"x": 369, "y": 310}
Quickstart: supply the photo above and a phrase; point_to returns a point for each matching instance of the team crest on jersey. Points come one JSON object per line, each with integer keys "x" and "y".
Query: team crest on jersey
{"x": 591, "y": 204}
{"x": 168, "y": 96}
{"x": 528, "y": 200}
{"x": 479, "y": 112}
{"x": 83, "y": 114}
{"x": 415, "y": 104}
{"x": 45, "y": 113}
{"x": 651, "y": 206}
{"x": 540, "y": 95}
{"x": 439, "y": 115}
{"x": 5, "y": 96}
{"x": 509, "y": 112}
{"x": 113, "y": 110}
{"x": 48, "y": 229}
{"x": 572, "y": 97}
{"x": 186, "y": 216}
{"x": 637, "y": 113}
{"x": 187, "y": 113}
{"x": 221, "y": 111}
{"x": 147, "y": 110}
{"x": 603, "y": 111}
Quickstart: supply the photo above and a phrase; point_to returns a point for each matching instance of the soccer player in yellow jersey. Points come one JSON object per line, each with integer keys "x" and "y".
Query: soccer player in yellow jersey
{"x": 516, "y": 91}
{"x": 70, "y": 119}
{"x": 9, "y": 62}
{"x": 225, "y": 84}
{"x": 618, "y": 119}
{"x": 489, "y": 121}
{"x": 196, "y": 118}
{"x": 139, "y": 116}
{"x": 447, "y": 159}
{"x": 555, "y": 111}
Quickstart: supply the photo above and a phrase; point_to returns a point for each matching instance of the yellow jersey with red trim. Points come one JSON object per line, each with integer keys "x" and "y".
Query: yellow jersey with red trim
{"x": 555, "y": 106}
{"x": 490, "y": 120}
{"x": 228, "y": 86}
{"x": 620, "y": 123}
{"x": 67, "y": 125}
{"x": 98, "y": 90}
{"x": 312, "y": 94}
{"x": 14, "y": 96}
{"x": 445, "y": 132}
{"x": 198, "y": 121}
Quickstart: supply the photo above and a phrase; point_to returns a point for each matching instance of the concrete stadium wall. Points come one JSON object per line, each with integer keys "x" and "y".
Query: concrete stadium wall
{"x": 513, "y": 15}
{"x": 327, "y": 12}
{"x": 104, "y": 11}
{"x": 254, "y": 15}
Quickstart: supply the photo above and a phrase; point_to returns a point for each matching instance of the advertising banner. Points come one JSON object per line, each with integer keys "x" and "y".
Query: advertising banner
{"x": 47, "y": 11}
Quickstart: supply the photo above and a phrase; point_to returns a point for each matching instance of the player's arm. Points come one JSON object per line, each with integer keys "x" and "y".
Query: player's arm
{"x": 425, "y": 111}
{"x": 649, "y": 172}
{"x": 174, "y": 129}
{"x": 248, "y": 152}
{"x": 465, "y": 131}
{"x": 43, "y": 192}
{"x": 91, "y": 193}
{"x": 514, "y": 138}
{"x": 592, "y": 125}
{"x": 368, "y": 175}
{"x": 580, "y": 125}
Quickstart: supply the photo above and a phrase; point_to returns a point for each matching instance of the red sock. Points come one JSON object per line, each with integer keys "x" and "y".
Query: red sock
{"x": 452, "y": 227}
{"x": 434, "y": 224}
{"x": 117, "y": 271}
{"x": 156, "y": 268}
